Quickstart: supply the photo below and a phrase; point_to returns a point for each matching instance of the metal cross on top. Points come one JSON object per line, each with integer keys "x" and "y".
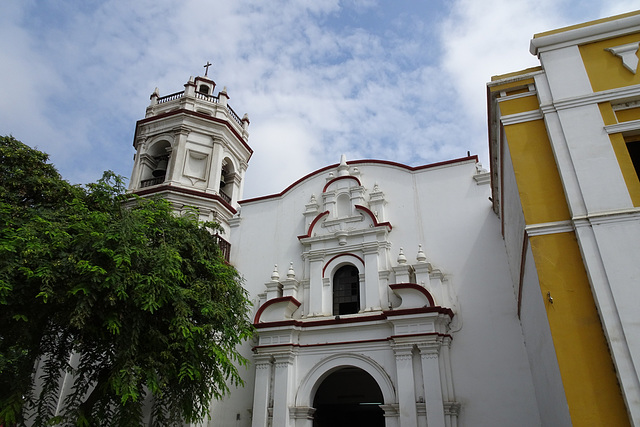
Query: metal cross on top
{"x": 206, "y": 68}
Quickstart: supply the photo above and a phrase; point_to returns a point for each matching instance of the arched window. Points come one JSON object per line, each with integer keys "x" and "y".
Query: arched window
{"x": 204, "y": 89}
{"x": 346, "y": 290}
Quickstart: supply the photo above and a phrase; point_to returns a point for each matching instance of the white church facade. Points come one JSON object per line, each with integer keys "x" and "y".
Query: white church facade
{"x": 382, "y": 294}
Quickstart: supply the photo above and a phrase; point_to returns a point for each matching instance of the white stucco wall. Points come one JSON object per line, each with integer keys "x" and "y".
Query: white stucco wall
{"x": 449, "y": 214}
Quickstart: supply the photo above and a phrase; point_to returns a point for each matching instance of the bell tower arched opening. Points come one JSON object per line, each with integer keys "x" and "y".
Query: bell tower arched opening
{"x": 348, "y": 397}
{"x": 227, "y": 179}
{"x": 156, "y": 164}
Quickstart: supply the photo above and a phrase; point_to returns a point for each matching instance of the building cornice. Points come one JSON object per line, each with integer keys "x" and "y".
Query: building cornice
{"x": 585, "y": 33}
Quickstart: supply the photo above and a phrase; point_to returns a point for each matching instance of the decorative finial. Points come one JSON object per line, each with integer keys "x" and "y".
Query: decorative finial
{"x": 479, "y": 168}
{"x": 275, "y": 276}
{"x": 401, "y": 258}
{"x": 343, "y": 169}
{"x": 290, "y": 273}
{"x": 206, "y": 68}
{"x": 421, "y": 257}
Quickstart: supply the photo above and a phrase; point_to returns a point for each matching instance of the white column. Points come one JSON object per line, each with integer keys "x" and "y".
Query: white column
{"x": 137, "y": 165}
{"x": 261, "y": 390}
{"x": 283, "y": 388}
{"x": 215, "y": 166}
{"x": 315, "y": 285}
{"x": 406, "y": 389}
{"x": 178, "y": 153}
{"x": 432, "y": 384}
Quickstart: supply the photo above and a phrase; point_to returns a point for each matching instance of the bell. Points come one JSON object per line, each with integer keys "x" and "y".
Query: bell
{"x": 161, "y": 168}
{"x": 222, "y": 181}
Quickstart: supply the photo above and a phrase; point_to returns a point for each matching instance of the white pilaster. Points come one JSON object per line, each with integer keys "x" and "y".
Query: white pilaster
{"x": 315, "y": 285}
{"x": 406, "y": 389}
{"x": 432, "y": 384}
{"x": 283, "y": 388}
{"x": 371, "y": 290}
{"x": 261, "y": 391}
{"x": 178, "y": 153}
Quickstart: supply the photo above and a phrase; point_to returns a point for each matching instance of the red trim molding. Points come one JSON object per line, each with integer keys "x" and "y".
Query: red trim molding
{"x": 313, "y": 224}
{"x": 323, "y": 344}
{"x": 523, "y": 258}
{"x": 338, "y": 179}
{"x": 373, "y": 217}
{"x": 360, "y": 162}
{"x": 338, "y": 320}
{"x": 191, "y": 192}
{"x": 271, "y": 302}
{"x": 437, "y": 309}
{"x": 417, "y": 287}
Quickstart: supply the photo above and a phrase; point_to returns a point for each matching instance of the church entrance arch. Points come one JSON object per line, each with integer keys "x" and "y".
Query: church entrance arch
{"x": 348, "y": 396}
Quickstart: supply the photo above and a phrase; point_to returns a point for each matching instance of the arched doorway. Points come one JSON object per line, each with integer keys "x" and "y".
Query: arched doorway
{"x": 348, "y": 397}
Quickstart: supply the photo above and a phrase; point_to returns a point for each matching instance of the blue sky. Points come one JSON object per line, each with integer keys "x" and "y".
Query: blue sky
{"x": 394, "y": 80}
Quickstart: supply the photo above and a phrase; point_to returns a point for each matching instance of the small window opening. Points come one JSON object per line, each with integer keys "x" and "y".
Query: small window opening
{"x": 346, "y": 290}
{"x": 633, "y": 146}
{"x": 344, "y": 205}
{"x": 204, "y": 89}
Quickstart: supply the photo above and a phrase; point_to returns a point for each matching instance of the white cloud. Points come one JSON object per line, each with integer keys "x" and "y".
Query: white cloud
{"x": 402, "y": 82}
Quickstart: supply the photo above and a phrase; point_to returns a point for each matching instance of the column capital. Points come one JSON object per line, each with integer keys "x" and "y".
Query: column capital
{"x": 181, "y": 131}
{"x": 285, "y": 359}
{"x": 429, "y": 350}
{"x": 402, "y": 351}
{"x": 370, "y": 248}
{"x": 452, "y": 408}
{"x": 392, "y": 410}
{"x": 301, "y": 412}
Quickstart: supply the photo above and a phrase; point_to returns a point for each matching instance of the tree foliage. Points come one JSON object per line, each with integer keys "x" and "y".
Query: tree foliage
{"x": 134, "y": 303}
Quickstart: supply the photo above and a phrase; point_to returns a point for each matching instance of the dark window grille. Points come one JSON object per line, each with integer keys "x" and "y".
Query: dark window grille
{"x": 346, "y": 290}
{"x": 225, "y": 247}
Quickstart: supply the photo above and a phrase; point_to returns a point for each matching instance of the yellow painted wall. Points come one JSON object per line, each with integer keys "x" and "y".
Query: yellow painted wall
{"x": 587, "y": 371}
{"x": 628, "y": 114}
{"x": 519, "y": 105}
{"x": 536, "y": 173}
{"x": 518, "y": 82}
{"x": 604, "y": 69}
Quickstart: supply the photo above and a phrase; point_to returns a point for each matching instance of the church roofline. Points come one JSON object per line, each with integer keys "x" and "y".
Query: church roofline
{"x": 360, "y": 162}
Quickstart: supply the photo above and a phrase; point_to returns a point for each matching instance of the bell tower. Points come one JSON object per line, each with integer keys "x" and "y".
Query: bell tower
{"x": 192, "y": 149}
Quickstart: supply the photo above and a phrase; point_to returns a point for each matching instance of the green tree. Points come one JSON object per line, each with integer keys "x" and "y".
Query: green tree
{"x": 141, "y": 298}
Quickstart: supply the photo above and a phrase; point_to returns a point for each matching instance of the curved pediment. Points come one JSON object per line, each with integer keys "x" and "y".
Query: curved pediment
{"x": 277, "y": 309}
{"x": 412, "y": 296}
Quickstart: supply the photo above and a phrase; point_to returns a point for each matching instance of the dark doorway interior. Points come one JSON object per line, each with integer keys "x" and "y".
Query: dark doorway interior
{"x": 349, "y": 397}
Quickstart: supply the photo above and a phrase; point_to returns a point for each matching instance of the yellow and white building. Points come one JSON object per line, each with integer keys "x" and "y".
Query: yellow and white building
{"x": 563, "y": 145}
